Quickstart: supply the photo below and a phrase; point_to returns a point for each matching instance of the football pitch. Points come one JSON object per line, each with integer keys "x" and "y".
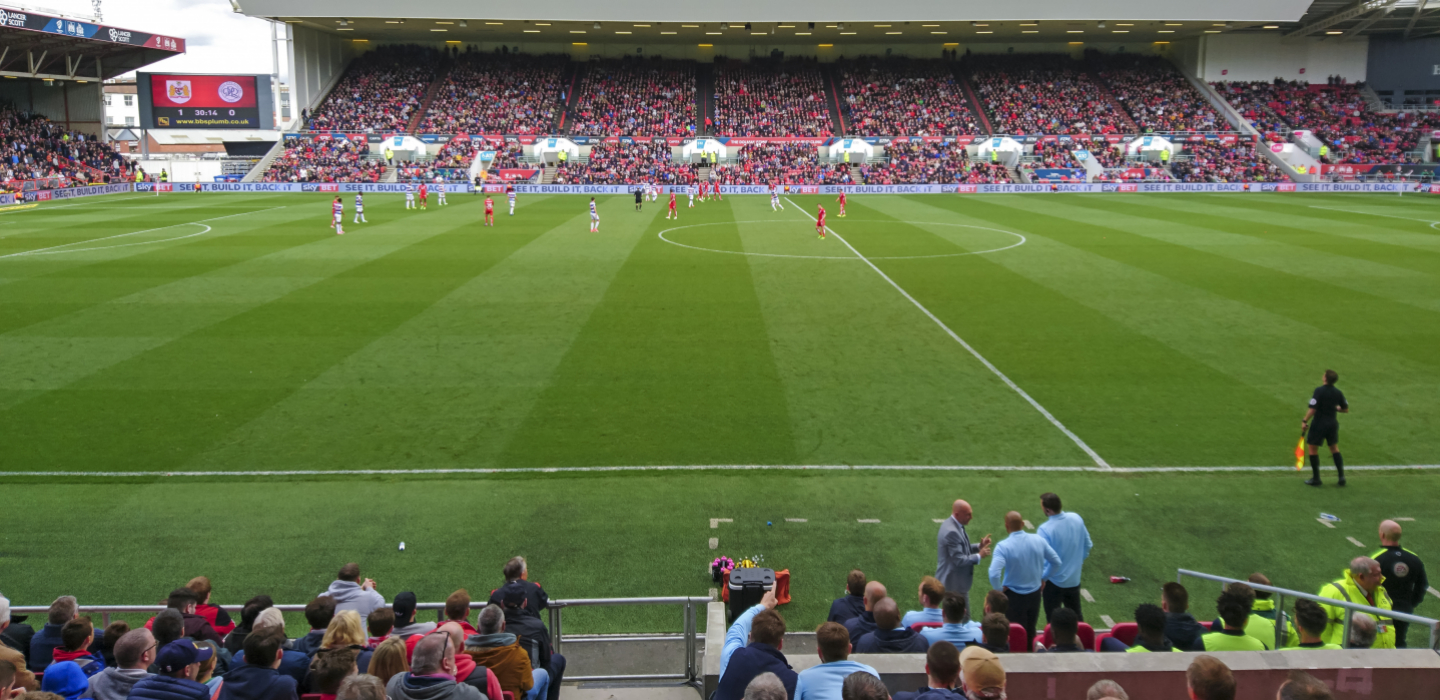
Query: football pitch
{"x": 236, "y": 336}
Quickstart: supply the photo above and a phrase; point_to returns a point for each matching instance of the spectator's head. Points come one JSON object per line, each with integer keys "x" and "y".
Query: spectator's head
{"x": 380, "y": 622}
{"x": 169, "y": 626}
{"x": 181, "y": 658}
{"x": 330, "y": 667}
{"x": 65, "y": 679}
{"x": 768, "y": 628}
{"x": 182, "y": 599}
{"x": 953, "y": 608}
{"x": 1014, "y": 522}
{"x": 1209, "y": 679}
{"x": 435, "y": 654}
{"x": 1107, "y": 689}
{"x": 931, "y": 591}
{"x": 268, "y": 618}
{"x": 942, "y": 665}
{"x": 516, "y": 570}
{"x": 887, "y": 614}
{"x": 1362, "y": 631}
{"x": 832, "y": 640}
{"x": 1303, "y": 686}
{"x": 981, "y": 675}
{"x": 320, "y": 612}
{"x": 1234, "y": 608}
{"x": 860, "y": 685}
{"x": 344, "y": 630}
{"x": 874, "y": 592}
{"x": 1151, "y": 621}
{"x": 996, "y": 628}
{"x": 1260, "y": 579}
{"x": 1366, "y": 572}
{"x": 77, "y": 634}
{"x": 1064, "y": 625}
{"x": 1390, "y": 533}
{"x": 404, "y": 607}
{"x": 457, "y": 606}
{"x": 63, "y": 610}
{"x": 766, "y": 686}
{"x": 351, "y": 571}
{"x": 265, "y": 647}
{"x": 996, "y": 602}
{"x": 136, "y": 649}
{"x": 855, "y": 583}
{"x": 1050, "y": 503}
{"x": 456, "y": 632}
{"x": 1311, "y": 620}
{"x": 1174, "y": 598}
{"x": 361, "y": 686}
{"x": 201, "y": 586}
{"x": 961, "y": 511}
{"x": 491, "y": 620}
{"x": 252, "y": 610}
{"x": 207, "y": 667}
{"x": 389, "y": 659}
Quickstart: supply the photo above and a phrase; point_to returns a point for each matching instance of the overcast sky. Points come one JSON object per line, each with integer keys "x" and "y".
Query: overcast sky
{"x": 217, "y": 39}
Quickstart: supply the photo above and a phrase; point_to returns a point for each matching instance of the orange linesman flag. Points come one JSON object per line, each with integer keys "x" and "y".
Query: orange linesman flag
{"x": 1300, "y": 453}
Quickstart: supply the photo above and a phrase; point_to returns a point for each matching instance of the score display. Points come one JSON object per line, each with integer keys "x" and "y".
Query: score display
{"x": 181, "y": 101}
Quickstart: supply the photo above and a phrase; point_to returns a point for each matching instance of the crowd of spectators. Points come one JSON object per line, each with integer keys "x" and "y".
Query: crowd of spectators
{"x": 1042, "y": 94}
{"x": 781, "y": 163}
{"x": 1217, "y": 162}
{"x": 902, "y": 96}
{"x": 308, "y": 159}
{"x": 1107, "y": 156}
{"x": 1052, "y": 155}
{"x": 770, "y": 98}
{"x": 495, "y": 93}
{"x": 1252, "y": 100}
{"x": 33, "y": 147}
{"x": 506, "y": 157}
{"x": 636, "y": 97}
{"x": 931, "y": 163}
{"x": 379, "y": 92}
{"x": 1156, "y": 95}
{"x": 633, "y": 163}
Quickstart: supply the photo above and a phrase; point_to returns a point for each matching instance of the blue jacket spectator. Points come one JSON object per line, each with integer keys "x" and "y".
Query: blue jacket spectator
{"x": 318, "y": 612}
{"x": 890, "y": 637}
{"x": 1066, "y": 534}
{"x": 177, "y": 663}
{"x": 852, "y": 603}
{"x": 64, "y": 678}
{"x": 823, "y": 682}
{"x": 48, "y": 639}
{"x": 931, "y": 591}
{"x": 752, "y": 647}
{"x": 958, "y": 633}
{"x": 1019, "y": 562}
{"x": 261, "y": 681}
{"x": 295, "y": 664}
{"x": 942, "y": 672}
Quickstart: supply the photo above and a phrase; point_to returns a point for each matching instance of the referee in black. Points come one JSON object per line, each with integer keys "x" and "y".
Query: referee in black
{"x": 1322, "y": 425}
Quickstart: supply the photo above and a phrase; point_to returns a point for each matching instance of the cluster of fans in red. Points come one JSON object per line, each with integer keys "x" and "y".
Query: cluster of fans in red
{"x": 35, "y": 148}
{"x": 329, "y": 160}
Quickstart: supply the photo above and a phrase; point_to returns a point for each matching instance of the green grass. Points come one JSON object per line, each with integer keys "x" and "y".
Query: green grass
{"x": 1181, "y": 330}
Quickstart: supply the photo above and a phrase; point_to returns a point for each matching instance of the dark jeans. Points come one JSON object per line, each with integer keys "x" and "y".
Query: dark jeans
{"x": 1056, "y": 597}
{"x": 1400, "y": 629}
{"x": 557, "y": 674}
{"x": 1024, "y": 611}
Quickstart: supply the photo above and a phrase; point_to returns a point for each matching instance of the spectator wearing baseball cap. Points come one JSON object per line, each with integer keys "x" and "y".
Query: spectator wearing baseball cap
{"x": 177, "y": 665}
{"x": 405, "y": 624}
{"x": 981, "y": 675}
{"x": 533, "y": 637}
{"x": 66, "y": 679}
{"x": 517, "y": 571}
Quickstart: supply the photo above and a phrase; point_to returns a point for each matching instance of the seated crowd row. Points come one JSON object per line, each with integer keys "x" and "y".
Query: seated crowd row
{"x": 34, "y": 148}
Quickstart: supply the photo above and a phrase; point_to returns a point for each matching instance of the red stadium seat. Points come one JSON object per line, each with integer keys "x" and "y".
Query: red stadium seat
{"x": 1085, "y": 634}
{"x": 507, "y": 695}
{"x": 923, "y": 625}
{"x": 1017, "y": 639}
{"x": 310, "y": 696}
{"x": 1123, "y": 631}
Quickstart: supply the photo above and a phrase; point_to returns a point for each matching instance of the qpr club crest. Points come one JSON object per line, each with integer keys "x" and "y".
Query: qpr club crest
{"x": 231, "y": 92}
{"x": 178, "y": 91}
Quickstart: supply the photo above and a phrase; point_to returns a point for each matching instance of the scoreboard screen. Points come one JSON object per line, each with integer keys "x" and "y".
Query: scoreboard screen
{"x": 180, "y": 101}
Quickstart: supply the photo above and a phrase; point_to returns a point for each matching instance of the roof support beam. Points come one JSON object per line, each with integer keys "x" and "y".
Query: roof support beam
{"x": 1358, "y": 9}
{"x": 46, "y": 76}
{"x": 1364, "y": 24}
{"x": 1415, "y": 17}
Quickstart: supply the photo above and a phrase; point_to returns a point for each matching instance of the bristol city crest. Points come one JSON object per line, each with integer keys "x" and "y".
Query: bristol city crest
{"x": 178, "y": 91}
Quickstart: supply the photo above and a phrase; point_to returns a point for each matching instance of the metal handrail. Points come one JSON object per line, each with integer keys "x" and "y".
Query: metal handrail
{"x": 1280, "y": 617}
{"x": 556, "y": 607}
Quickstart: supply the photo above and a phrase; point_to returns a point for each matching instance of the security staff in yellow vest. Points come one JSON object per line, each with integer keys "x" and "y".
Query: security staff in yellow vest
{"x": 1324, "y": 150}
{"x": 847, "y": 157}
{"x": 139, "y": 175}
{"x": 1165, "y": 157}
{"x": 1258, "y": 626}
{"x": 1360, "y": 584}
{"x": 994, "y": 156}
{"x": 564, "y": 155}
{"x": 1151, "y": 620}
{"x": 164, "y": 176}
{"x": 1264, "y": 608}
{"x": 1312, "y": 621}
{"x": 1234, "y": 609}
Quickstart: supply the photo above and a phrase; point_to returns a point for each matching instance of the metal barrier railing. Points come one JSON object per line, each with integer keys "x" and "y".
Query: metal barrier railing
{"x": 1281, "y": 617}
{"x": 557, "y": 608}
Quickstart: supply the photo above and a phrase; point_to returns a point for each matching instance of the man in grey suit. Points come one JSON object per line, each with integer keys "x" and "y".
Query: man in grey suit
{"x": 956, "y": 555}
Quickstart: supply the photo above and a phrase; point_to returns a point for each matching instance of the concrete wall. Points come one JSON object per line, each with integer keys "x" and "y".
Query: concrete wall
{"x": 77, "y": 106}
{"x": 1265, "y": 57}
{"x": 1396, "y": 64}
{"x": 316, "y": 59}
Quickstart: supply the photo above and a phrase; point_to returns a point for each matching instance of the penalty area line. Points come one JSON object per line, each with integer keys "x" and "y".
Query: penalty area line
{"x": 953, "y": 335}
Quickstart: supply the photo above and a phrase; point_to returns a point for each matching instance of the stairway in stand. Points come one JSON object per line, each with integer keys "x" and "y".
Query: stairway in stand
{"x": 567, "y": 107}
{"x": 441, "y": 73}
{"x": 831, "y": 82}
{"x": 1130, "y": 127}
{"x": 704, "y": 97}
{"x": 974, "y": 100}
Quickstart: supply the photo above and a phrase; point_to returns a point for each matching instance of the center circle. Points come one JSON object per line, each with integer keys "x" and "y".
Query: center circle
{"x": 1022, "y": 240}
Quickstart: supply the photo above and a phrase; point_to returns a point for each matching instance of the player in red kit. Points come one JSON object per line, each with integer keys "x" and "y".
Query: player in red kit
{"x": 820, "y": 222}
{"x": 672, "y": 211}
{"x": 489, "y": 211}
{"x": 424, "y": 192}
{"x": 842, "y": 203}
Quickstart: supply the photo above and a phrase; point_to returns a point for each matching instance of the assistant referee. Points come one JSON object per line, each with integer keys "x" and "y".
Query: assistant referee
{"x": 1322, "y": 425}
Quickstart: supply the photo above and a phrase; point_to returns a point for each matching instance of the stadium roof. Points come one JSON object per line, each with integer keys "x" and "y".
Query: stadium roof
{"x": 36, "y": 45}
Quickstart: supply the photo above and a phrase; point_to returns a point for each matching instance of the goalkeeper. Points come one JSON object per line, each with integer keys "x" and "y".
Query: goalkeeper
{"x": 1321, "y": 424}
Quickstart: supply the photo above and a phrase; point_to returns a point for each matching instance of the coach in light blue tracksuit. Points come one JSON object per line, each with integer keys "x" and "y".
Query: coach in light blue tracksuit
{"x": 1017, "y": 570}
{"x": 753, "y": 647}
{"x": 1066, "y": 534}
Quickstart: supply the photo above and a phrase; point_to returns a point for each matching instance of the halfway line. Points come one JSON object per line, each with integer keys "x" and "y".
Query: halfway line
{"x": 1036, "y": 404}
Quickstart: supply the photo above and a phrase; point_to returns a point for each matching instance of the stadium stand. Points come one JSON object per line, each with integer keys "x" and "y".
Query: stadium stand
{"x": 308, "y": 159}
{"x": 507, "y": 156}
{"x": 1252, "y": 100}
{"x": 781, "y": 163}
{"x": 917, "y": 163}
{"x": 33, "y": 147}
{"x": 900, "y": 96}
{"x": 492, "y": 93}
{"x": 454, "y": 159}
{"x": 631, "y": 163}
{"x": 379, "y": 92}
{"x": 1217, "y": 162}
{"x": 770, "y": 98}
{"x": 1156, "y": 95}
{"x": 636, "y": 97}
{"x": 1041, "y": 94}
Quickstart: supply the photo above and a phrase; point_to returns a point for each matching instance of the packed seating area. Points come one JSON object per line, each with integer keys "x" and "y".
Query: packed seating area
{"x": 308, "y": 159}
{"x": 1217, "y": 162}
{"x": 379, "y": 92}
{"x": 493, "y": 93}
{"x": 1054, "y": 155}
{"x": 456, "y": 154}
{"x": 1252, "y": 100}
{"x": 1156, "y": 95}
{"x": 913, "y": 97}
{"x": 636, "y": 97}
{"x": 633, "y": 163}
{"x": 507, "y": 156}
{"x": 931, "y": 163}
{"x": 770, "y": 98}
{"x": 780, "y": 163}
{"x": 33, "y": 147}
{"x": 1042, "y": 94}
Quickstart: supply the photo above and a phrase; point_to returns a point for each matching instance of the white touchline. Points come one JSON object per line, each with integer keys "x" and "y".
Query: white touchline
{"x": 796, "y": 520}
{"x": 1016, "y": 387}
{"x": 1435, "y": 593}
{"x": 867, "y": 521}
{"x": 1404, "y": 520}
{"x": 1085, "y": 593}
{"x": 42, "y": 251}
{"x": 1355, "y": 542}
{"x": 1366, "y": 213}
{"x": 77, "y": 204}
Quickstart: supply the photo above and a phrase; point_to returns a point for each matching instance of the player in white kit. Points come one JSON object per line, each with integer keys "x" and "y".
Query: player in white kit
{"x": 510, "y": 195}
{"x": 337, "y": 221}
{"x": 440, "y": 189}
{"x": 409, "y": 196}
{"x": 594, "y": 217}
{"x": 691, "y": 190}
{"x": 774, "y": 197}
{"x": 360, "y": 209}
{"x": 654, "y": 192}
